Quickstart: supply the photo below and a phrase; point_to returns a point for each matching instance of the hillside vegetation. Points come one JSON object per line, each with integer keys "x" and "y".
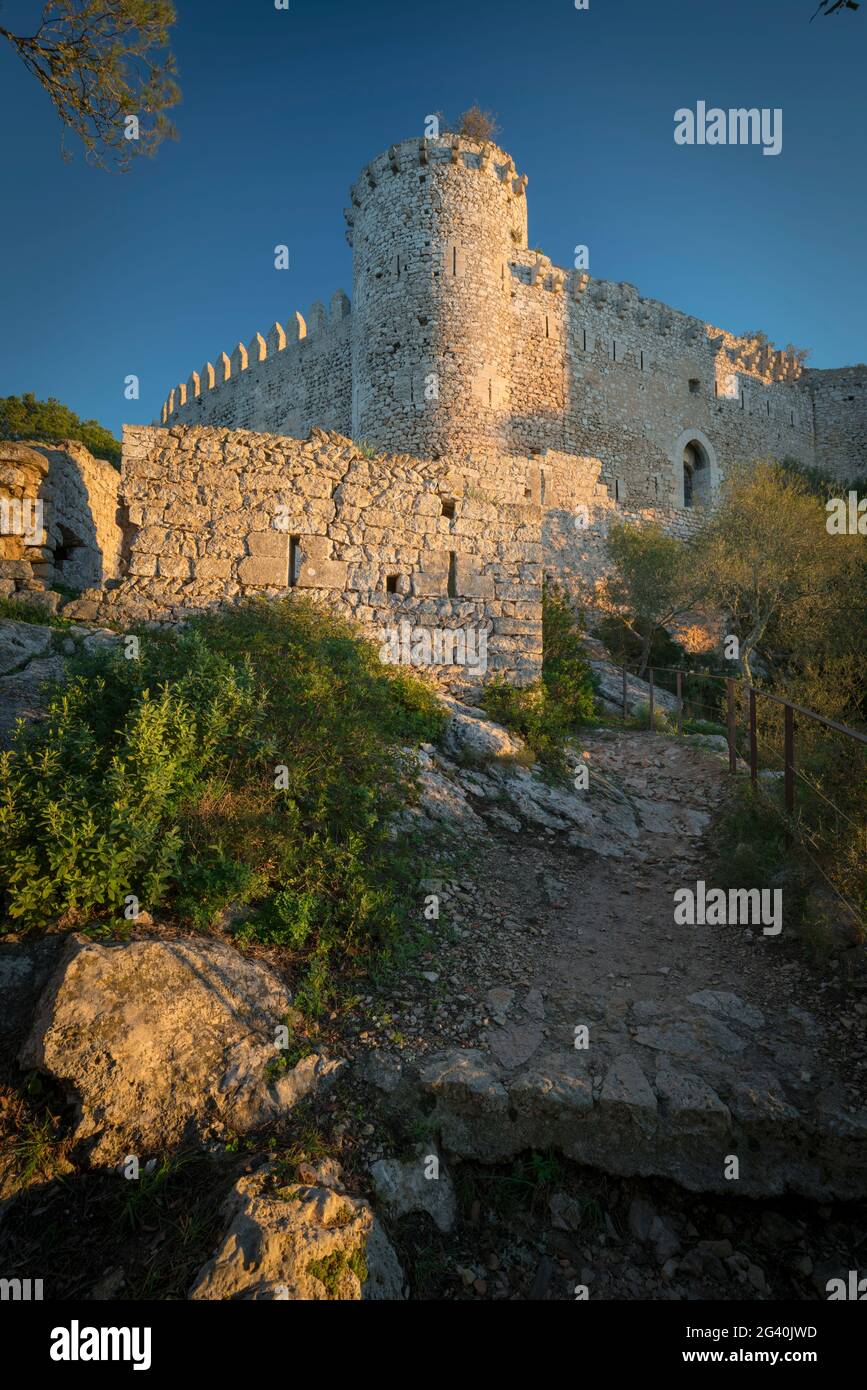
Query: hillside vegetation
{"x": 249, "y": 761}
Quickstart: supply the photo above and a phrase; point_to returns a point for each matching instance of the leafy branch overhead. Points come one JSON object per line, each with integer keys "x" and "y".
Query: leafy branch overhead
{"x": 836, "y": 6}
{"x": 108, "y": 69}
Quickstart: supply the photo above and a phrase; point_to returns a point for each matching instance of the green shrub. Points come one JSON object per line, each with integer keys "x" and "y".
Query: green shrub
{"x": 156, "y": 777}
{"x": 548, "y": 711}
{"x": 23, "y": 612}
{"x": 51, "y": 422}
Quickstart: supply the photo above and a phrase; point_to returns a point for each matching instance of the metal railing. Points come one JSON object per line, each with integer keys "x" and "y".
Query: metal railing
{"x": 792, "y": 774}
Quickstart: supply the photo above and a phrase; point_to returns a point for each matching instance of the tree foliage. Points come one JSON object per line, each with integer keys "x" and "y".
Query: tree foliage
{"x": 102, "y": 61}
{"x": 51, "y": 422}
{"x": 652, "y": 581}
{"x": 827, "y": 7}
{"x": 794, "y": 593}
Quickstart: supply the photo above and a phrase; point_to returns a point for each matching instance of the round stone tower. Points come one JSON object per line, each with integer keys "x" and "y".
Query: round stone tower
{"x": 433, "y": 226}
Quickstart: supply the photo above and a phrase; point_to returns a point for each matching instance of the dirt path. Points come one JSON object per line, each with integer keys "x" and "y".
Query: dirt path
{"x": 703, "y": 1043}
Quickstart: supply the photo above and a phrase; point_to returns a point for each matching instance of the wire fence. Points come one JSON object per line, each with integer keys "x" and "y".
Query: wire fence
{"x": 794, "y": 765}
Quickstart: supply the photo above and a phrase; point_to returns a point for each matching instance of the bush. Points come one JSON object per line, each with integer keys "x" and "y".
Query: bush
{"x": 548, "y": 711}
{"x": 51, "y": 422}
{"x": 476, "y": 124}
{"x": 156, "y": 777}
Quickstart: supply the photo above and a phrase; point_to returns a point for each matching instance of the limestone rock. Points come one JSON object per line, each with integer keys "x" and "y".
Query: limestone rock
{"x": 21, "y": 643}
{"x": 23, "y": 693}
{"x": 471, "y": 735}
{"x": 298, "y": 1242}
{"x": 165, "y": 1042}
{"x": 404, "y": 1186}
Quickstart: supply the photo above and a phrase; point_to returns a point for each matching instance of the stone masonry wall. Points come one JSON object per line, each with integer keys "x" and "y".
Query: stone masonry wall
{"x": 840, "y": 414}
{"x": 25, "y": 560}
{"x": 216, "y": 514}
{"x": 286, "y": 381}
{"x": 599, "y": 370}
{"x": 79, "y": 538}
{"x": 81, "y": 515}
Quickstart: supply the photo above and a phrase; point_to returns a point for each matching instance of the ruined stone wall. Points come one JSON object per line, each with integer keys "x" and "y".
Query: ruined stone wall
{"x": 81, "y": 515}
{"x": 25, "y": 560}
{"x": 839, "y": 400}
{"x": 215, "y": 514}
{"x": 78, "y": 541}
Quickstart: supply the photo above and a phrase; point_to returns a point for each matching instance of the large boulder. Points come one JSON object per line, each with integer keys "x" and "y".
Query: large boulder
{"x": 163, "y": 1043}
{"x": 470, "y": 736}
{"x": 27, "y": 661}
{"x": 299, "y": 1241}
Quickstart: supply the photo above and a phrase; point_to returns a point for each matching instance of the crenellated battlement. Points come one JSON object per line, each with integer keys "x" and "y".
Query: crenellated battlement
{"x": 421, "y": 156}
{"x": 261, "y": 348}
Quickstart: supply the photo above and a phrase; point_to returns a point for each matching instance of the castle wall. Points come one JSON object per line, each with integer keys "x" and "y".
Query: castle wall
{"x": 839, "y": 400}
{"x": 601, "y": 371}
{"x": 286, "y": 381}
{"x": 578, "y": 511}
{"x": 215, "y": 514}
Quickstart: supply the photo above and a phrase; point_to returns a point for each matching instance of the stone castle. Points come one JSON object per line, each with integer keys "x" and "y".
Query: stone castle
{"x": 463, "y": 341}
{"x": 473, "y": 420}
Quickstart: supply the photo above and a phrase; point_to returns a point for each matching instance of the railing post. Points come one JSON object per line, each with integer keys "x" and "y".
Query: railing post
{"x": 625, "y": 703}
{"x": 730, "y": 703}
{"x": 789, "y": 758}
{"x": 754, "y": 745}
{"x": 650, "y": 686}
{"x": 680, "y": 704}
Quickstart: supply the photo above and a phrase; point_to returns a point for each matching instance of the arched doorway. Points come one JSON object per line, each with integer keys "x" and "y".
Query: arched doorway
{"x": 696, "y": 476}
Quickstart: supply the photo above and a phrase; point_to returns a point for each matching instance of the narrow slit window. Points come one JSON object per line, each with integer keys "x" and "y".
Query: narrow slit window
{"x": 294, "y": 560}
{"x": 452, "y": 587}
{"x": 391, "y": 583}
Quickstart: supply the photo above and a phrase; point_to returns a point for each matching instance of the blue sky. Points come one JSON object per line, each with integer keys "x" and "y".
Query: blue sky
{"x": 155, "y": 271}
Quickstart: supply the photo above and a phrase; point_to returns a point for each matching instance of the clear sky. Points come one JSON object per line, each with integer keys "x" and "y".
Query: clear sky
{"x": 156, "y": 271}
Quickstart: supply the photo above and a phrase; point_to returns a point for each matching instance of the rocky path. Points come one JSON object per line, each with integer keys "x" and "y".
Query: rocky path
{"x": 570, "y": 1010}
